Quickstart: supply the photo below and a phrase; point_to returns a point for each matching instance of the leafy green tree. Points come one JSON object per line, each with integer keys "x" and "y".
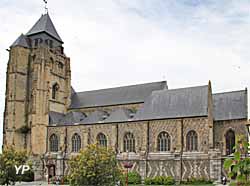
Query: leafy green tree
{"x": 8, "y": 160}
{"x": 95, "y": 166}
{"x": 239, "y": 165}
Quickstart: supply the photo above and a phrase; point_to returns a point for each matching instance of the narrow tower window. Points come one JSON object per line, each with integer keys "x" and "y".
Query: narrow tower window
{"x": 50, "y": 43}
{"x": 60, "y": 65}
{"x": 55, "y": 90}
{"x": 36, "y": 42}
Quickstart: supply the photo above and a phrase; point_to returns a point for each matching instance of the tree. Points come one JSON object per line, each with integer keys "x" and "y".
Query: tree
{"x": 239, "y": 165}
{"x": 8, "y": 160}
{"x": 95, "y": 166}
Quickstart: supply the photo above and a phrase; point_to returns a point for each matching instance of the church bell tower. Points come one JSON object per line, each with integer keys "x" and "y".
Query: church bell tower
{"x": 37, "y": 82}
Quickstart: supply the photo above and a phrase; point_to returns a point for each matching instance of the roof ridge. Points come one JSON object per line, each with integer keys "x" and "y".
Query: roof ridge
{"x": 228, "y": 92}
{"x": 168, "y": 90}
{"x": 126, "y": 86}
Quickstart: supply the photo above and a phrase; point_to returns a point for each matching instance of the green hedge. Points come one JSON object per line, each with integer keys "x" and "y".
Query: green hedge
{"x": 65, "y": 179}
{"x": 235, "y": 183}
{"x": 134, "y": 178}
{"x": 197, "y": 181}
{"x": 160, "y": 180}
{"x": 28, "y": 176}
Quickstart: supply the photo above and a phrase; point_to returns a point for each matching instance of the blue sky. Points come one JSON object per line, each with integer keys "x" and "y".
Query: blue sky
{"x": 121, "y": 42}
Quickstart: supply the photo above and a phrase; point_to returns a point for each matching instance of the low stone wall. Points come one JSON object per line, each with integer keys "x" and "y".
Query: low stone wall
{"x": 180, "y": 166}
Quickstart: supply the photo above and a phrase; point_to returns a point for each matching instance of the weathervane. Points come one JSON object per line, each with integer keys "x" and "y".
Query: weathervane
{"x": 45, "y": 7}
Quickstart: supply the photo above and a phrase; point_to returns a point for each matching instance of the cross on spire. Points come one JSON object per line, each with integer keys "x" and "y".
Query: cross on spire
{"x": 45, "y": 7}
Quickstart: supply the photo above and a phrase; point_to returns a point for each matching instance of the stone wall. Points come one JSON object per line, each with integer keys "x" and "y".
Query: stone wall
{"x": 145, "y": 133}
{"x": 147, "y": 160}
{"x": 172, "y": 127}
{"x": 221, "y": 128}
{"x": 15, "y": 98}
{"x": 30, "y": 77}
{"x": 204, "y": 163}
{"x": 181, "y": 167}
{"x": 201, "y": 126}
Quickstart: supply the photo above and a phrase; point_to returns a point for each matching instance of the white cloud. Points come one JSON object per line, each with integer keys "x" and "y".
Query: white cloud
{"x": 120, "y": 42}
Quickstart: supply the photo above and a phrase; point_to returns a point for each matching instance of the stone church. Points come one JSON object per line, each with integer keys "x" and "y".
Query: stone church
{"x": 185, "y": 132}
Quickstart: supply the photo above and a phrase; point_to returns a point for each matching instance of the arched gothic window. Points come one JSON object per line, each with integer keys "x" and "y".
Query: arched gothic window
{"x": 53, "y": 141}
{"x": 76, "y": 143}
{"x": 230, "y": 142}
{"x": 129, "y": 142}
{"x": 55, "y": 90}
{"x": 102, "y": 140}
{"x": 192, "y": 141}
{"x": 163, "y": 142}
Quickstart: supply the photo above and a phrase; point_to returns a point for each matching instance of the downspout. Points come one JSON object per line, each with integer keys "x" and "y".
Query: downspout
{"x": 181, "y": 154}
{"x": 147, "y": 150}
{"x": 66, "y": 148}
{"x": 47, "y": 139}
{"x": 117, "y": 138}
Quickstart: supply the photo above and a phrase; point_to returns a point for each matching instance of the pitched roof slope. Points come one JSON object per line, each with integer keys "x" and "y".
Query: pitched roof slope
{"x": 119, "y": 115}
{"x": 21, "y": 41}
{"x": 44, "y": 24}
{"x": 65, "y": 119}
{"x": 72, "y": 117}
{"x": 55, "y": 117}
{"x": 115, "y": 96}
{"x": 230, "y": 105}
{"x": 175, "y": 103}
{"x": 95, "y": 117}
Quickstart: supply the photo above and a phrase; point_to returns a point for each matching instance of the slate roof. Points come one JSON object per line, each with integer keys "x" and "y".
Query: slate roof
{"x": 164, "y": 104}
{"x": 230, "y": 105}
{"x": 175, "y": 103}
{"x": 44, "y": 24}
{"x": 119, "y": 115}
{"x": 72, "y": 117}
{"x": 21, "y": 41}
{"x": 55, "y": 117}
{"x": 115, "y": 96}
{"x": 95, "y": 117}
{"x": 68, "y": 119}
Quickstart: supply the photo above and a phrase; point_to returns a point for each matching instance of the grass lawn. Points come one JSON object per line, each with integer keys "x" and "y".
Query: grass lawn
{"x": 178, "y": 185}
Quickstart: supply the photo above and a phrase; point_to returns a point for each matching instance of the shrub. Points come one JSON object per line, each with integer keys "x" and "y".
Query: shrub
{"x": 239, "y": 166}
{"x": 197, "y": 181}
{"x": 148, "y": 181}
{"x": 240, "y": 183}
{"x": 8, "y": 160}
{"x": 65, "y": 179}
{"x": 95, "y": 166}
{"x": 169, "y": 180}
{"x": 160, "y": 180}
{"x": 28, "y": 176}
{"x": 134, "y": 178}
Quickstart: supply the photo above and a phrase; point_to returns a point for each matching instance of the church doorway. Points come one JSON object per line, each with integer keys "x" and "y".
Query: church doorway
{"x": 51, "y": 171}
